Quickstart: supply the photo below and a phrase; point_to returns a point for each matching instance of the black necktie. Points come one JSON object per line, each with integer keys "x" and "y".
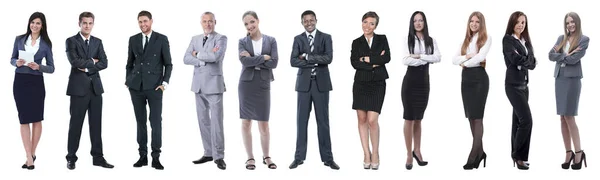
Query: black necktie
{"x": 311, "y": 42}
{"x": 204, "y": 40}
{"x": 146, "y": 44}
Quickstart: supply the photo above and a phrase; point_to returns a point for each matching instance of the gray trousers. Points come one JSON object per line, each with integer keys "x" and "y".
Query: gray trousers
{"x": 210, "y": 118}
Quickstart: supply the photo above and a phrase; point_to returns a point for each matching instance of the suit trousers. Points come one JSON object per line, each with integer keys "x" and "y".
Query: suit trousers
{"x": 321, "y": 103}
{"x": 154, "y": 99}
{"x": 92, "y": 104}
{"x": 209, "y": 108}
{"x": 518, "y": 95}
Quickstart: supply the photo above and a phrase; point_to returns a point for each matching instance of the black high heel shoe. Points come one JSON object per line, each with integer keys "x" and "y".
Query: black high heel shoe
{"x": 577, "y": 166}
{"x": 519, "y": 166}
{"x": 568, "y": 163}
{"x": 476, "y": 162}
{"x": 27, "y": 167}
{"x": 421, "y": 163}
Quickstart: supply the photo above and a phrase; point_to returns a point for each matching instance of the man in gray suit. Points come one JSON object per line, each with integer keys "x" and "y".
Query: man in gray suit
{"x": 311, "y": 54}
{"x": 206, "y": 53}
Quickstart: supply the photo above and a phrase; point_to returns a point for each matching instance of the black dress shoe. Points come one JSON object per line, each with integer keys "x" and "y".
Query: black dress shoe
{"x": 71, "y": 165}
{"x": 220, "y": 164}
{"x": 143, "y": 161}
{"x": 203, "y": 159}
{"x": 332, "y": 165}
{"x": 104, "y": 164}
{"x": 296, "y": 163}
{"x": 156, "y": 164}
{"x": 27, "y": 167}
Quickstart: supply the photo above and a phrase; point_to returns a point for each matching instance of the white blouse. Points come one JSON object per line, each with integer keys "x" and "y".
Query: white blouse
{"x": 32, "y": 49}
{"x": 420, "y": 50}
{"x": 257, "y": 48}
{"x": 476, "y": 60}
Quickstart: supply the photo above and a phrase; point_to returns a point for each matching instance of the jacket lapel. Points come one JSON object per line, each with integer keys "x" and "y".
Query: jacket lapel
{"x": 83, "y": 45}
{"x": 248, "y": 46}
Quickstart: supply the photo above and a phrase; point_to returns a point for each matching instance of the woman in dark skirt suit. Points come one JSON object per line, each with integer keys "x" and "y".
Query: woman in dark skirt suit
{"x": 519, "y": 59}
{"x": 421, "y": 50}
{"x": 567, "y": 53}
{"x": 28, "y": 88}
{"x": 370, "y": 52}
{"x": 258, "y": 55}
{"x": 475, "y": 82}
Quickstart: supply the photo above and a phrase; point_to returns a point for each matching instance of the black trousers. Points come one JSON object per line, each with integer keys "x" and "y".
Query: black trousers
{"x": 92, "y": 104}
{"x": 321, "y": 103}
{"x": 518, "y": 95}
{"x": 154, "y": 99}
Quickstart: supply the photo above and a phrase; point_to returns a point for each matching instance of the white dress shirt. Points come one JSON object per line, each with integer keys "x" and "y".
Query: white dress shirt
{"x": 144, "y": 39}
{"x": 476, "y": 60}
{"x": 32, "y": 49}
{"x": 257, "y": 48}
{"x": 88, "y": 43}
{"x": 421, "y": 51}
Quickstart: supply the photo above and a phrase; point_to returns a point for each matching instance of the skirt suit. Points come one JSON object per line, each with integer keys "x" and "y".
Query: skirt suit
{"x": 254, "y": 88}
{"x": 568, "y": 74}
{"x": 368, "y": 90}
{"x": 28, "y": 86}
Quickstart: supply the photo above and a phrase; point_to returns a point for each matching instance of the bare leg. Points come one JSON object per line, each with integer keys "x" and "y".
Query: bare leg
{"x": 564, "y": 128}
{"x": 417, "y": 139}
{"x": 363, "y": 131}
{"x": 408, "y": 139}
{"x": 373, "y": 118}
{"x": 247, "y": 137}
{"x": 26, "y": 138}
{"x": 574, "y": 131}
{"x": 37, "y": 134}
{"x": 265, "y": 136}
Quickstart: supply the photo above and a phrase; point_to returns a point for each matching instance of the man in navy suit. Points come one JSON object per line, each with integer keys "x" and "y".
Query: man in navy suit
{"x": 86, "y": 55}
{"x": 311, "y": 54}
{"x": 148, "y": 71}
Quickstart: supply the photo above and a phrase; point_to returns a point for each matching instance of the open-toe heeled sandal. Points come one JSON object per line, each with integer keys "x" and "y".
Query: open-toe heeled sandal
{"x": 271, "y": 165}
{"x": 250, "y": 166}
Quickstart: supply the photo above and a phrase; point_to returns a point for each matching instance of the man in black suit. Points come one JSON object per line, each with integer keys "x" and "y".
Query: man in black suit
{"x": 87, "y": 58}
{"x": 148, "y": 72}
{"x": 311, "y": 54}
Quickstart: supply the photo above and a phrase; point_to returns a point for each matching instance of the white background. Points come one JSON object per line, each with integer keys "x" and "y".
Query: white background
{"x": 446, "y": 134}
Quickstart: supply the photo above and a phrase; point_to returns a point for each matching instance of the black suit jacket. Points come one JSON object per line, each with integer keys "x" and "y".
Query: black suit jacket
{"x": 150, "y": 67}
{"x": 321, "y": 55}
{"x": 517, "y": 60}
{"x": 81, "y": 57}
{"x": 364, "y": 70}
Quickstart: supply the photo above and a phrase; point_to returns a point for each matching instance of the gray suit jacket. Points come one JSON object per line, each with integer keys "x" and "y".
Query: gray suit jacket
{"x": 269, "y": 47}
{"x": 321, "y": 55}
{"x": 572, "y": 63}
{"x": 208, "y": 65}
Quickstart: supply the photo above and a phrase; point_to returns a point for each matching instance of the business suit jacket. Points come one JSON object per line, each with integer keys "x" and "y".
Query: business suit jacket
{"x": 572, "y": 63}
{"x": 208, "y": 65}
{"x": 44, "y": 51}
{"x": 517, "y": 60}
{"x": 321, "y": 55}
{"x": 81, "y": 57}
{"x": 269, "y": 47}
{"x": 364, "y": 70}
{"x": 150, "y": 67}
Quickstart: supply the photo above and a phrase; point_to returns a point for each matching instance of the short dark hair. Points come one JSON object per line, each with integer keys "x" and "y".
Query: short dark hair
{"x": 145, "y": 13}
{"x": 308, "y": 12}
{"x": 86, "y": 15}
{"x": 371, "y": 14}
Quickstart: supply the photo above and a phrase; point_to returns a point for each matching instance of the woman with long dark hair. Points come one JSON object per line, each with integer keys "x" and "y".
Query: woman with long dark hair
{"x": 519, "y": 59}
{"x": 421, "y": 51}
{"x": 28, "y": 87}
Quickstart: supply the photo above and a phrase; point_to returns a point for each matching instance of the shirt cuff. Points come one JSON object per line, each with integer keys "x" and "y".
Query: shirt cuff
{"x": 86, "y": 70}
{"x": 165, "y": 84}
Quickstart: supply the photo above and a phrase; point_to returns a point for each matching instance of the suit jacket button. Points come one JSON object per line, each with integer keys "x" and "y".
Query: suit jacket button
{"x": 147, "y": 63}
{"x": 142, "y": 64}
{"x": 148, "y": 72}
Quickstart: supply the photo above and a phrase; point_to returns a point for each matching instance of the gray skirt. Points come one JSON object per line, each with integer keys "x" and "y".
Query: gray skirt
{"x": 255, "y": 98}
{"x": 567, "y": 95}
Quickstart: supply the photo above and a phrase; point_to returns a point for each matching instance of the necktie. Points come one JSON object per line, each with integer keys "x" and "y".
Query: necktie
{"x": 311, "y": 44}
{"x": 204, "y": 40}
{"x": 146, "y": 43}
